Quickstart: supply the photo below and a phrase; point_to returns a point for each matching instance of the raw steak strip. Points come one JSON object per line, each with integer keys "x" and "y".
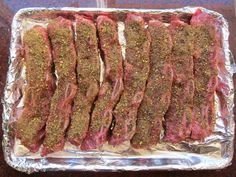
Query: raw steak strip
{"x": 158, "y": 90}
{"x": 88, "y": 74}
{"x": 135, "y": 77}
{"x": 178, "y": 118}
{"x": 39, "y": 90}
{"x": 111, "y": 88}
{"x": 206, "y": 57}
{"x": 64, "y": 57}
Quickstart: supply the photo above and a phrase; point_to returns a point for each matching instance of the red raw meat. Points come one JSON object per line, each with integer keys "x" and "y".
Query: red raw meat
{"x": 135, "y": 76}
{"x": 88, "y": 75}
{"x": 178, "y": 119}
{"x": 111, "y": 87}
{"x": 30, "y": 127}
{"x": 158, "y": 90}
{"x": 64, "y": 57}
{"x": 207, "y": 57}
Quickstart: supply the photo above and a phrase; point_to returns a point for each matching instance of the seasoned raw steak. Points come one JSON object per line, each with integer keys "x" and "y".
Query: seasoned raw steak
{"x": 30, "y": 127}
{"x": 88, "y": 74}
{"x": 158, "y": 90}
{"x": 111, "y": 87}
{"x": 166, "y": 83}
{"x": 135, "y": 77}
{"x": 206, "y": 57}
{"x": 64, "y": 57}
{"x": 178, "y": 118}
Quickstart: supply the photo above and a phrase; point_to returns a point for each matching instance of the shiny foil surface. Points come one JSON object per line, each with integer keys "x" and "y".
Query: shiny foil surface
{"x": 215, "y": 152}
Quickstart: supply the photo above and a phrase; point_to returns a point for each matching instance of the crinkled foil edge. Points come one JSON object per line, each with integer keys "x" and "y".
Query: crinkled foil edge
{"x": 176, "y": 160}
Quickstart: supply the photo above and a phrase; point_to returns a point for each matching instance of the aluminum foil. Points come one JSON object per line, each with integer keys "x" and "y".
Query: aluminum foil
{"x": 215, "y": 152}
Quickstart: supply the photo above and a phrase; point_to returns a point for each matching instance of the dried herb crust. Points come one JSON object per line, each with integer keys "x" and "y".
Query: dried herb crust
{"x": 136, "y": 70}
{"x": 39, "y": 88}
{"x": 206, "y": 58}
{"x": 88, "y": 75}
{"x": 111, "y": 87}
{"x": 64, "y": 58}
{"x": 158, "y": 90}
{"x": 178, "y": 119}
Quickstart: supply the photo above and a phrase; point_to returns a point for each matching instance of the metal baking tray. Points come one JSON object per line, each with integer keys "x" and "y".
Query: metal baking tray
{"x": 215, "y": 152}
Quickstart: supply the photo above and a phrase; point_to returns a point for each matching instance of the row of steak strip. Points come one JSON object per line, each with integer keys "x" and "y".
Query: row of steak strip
{"x": 170, "y": 74}
{"x": 64, "y": 57}
{"x": 40, "y": 88}
{"x": 111, "y": 87}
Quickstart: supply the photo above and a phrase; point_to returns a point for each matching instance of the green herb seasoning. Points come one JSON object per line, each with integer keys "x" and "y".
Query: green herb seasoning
{"x": 179, "y": 114}
{"x": 204, "y": 72}
{"x": 61, "y": 35}
{"x": 110, "y": 46}
{"x": 158, "y": 90}
{"x": 88, "y": 74}
{"x": 39, "y": 87}
{"x": 136, "y": 73}
{"x": 112, "y": 85}
{"x": 99, "y": 120}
